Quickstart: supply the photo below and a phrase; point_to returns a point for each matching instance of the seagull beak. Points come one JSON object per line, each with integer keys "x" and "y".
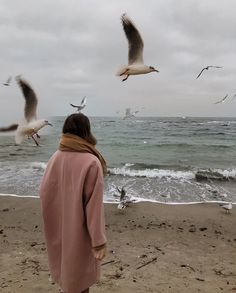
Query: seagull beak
{"x": 156, "y": 70}
{"x": 49, "y": 124}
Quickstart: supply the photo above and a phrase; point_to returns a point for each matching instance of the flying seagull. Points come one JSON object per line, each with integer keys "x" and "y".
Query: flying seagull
{"x": 222, "y": 100}
{"x": 206, "y": 68}
{"x": 123, "y": 198}
{"x": 135, "y": 57}
{"x": 81, "y": 106}
{"x": 129, "y": 114}
{"x": 7, "y": 82}
{"x": 30, "y": 126}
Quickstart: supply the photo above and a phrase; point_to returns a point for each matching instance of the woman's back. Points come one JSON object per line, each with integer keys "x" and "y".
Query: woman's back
{"x": 71, "y": 194}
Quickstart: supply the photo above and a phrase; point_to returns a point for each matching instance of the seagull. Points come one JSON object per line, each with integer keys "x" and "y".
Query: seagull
{"x": 81, "y": 106}
{"x": 227, "y": 207}
{"x": 30, "y": 126}
{"x": 129, "y": 114}
{"x": 206, "y": 68}
{"x": 7, "y": 82}
{"x": 122, "y": 193}
{"x": 124, "y": 199}
{"x": 222, "y": 100}
{"x": 135, "y": 58}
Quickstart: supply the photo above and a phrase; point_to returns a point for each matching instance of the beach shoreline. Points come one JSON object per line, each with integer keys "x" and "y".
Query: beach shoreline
{"x": 152, "y": 247}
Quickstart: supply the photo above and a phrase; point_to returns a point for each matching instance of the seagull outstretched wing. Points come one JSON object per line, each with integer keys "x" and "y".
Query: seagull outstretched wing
{"x": 31, "y": 100}
{"x": 200, "y": 72}
{"x": 7, "y": 82}
{"x": 74, "y": 106}
{"x": 134, "y": 39}
{"x": 9, "y": 128}
{"x": 222, "y": 100}
{"x": 83, "y": 102}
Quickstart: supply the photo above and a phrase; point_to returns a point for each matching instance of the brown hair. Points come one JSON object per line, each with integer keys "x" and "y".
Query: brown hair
{"x": 79, "y": 124}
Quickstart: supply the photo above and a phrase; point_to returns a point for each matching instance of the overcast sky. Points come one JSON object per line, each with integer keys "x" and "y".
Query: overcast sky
{"x": 68, "y": 49}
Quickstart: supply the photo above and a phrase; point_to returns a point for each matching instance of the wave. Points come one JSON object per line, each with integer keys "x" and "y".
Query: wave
{"x": 152, "y": 173}
{"x": 216, "y": 174}
{"x": 130, "y": 170}
{"x": 38, "y": 165}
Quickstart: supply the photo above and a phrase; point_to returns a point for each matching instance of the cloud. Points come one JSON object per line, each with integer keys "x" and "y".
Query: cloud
{"x": 68, "y": 49}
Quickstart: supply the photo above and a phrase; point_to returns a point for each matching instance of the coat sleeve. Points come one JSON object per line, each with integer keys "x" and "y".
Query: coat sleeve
{"x": 93, "y": 193}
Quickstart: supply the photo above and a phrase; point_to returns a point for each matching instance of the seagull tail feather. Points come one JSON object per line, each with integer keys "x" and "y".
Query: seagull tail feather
{"x": 121, "y": 70}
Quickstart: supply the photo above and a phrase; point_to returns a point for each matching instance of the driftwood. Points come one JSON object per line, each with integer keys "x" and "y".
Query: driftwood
{"x": 188, "y": 266}
{"x": 147, "y": 263}
{"x": 106, "y": 263}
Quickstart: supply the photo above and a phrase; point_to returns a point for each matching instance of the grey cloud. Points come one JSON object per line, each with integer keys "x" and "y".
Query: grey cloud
{"x": 67, "y": 49}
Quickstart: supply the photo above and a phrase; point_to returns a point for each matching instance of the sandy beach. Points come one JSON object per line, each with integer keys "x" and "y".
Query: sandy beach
{"x": 152, "y": 248}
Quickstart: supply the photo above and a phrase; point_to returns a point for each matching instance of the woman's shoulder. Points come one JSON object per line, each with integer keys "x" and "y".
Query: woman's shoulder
{"x": 83, "y": 158}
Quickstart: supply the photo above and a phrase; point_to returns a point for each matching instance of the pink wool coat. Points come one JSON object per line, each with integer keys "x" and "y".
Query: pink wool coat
{"x": 71, "y": 195}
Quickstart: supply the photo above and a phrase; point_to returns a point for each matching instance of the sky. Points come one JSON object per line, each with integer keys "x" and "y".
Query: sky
{"x": 67, "y": 49}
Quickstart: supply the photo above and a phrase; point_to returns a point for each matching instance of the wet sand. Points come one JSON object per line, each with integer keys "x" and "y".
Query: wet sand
{"x": 151, "y": 248}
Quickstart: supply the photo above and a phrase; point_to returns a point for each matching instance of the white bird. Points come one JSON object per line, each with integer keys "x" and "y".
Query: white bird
{"x": 135, "y": 57}
{"x": 30, "y": 126}
{"x": 81, "y": 106}
{"x": 227, "y": 207}
{"x": 129, "y": 114}
{"x": 7, "y": 82}
{"x": 222, "y": 100}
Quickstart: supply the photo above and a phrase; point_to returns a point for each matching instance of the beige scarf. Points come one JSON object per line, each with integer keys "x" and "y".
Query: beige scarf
{"x": 74, "y": 143}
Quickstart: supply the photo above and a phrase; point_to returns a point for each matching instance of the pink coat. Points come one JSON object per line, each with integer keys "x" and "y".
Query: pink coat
{"x": 71, "y": 194}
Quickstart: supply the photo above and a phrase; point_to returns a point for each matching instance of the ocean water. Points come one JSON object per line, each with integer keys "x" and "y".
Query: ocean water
{"x": 173, "y": 160}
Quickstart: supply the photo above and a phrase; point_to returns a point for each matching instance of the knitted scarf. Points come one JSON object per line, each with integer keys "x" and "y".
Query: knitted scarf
{"x": 74, "y": 143}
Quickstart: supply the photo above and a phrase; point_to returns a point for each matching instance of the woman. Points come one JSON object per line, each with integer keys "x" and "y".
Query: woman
{"x": 71, "y": 194}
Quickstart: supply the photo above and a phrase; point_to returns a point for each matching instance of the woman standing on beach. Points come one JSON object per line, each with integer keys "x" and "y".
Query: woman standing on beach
{"x": 71, "y": 194}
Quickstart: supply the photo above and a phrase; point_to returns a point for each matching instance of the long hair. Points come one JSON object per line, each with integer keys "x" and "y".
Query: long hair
{"x": 79, "y": 124}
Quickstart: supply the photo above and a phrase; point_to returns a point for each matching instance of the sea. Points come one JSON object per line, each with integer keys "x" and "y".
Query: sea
{"x": 159, "y": 159}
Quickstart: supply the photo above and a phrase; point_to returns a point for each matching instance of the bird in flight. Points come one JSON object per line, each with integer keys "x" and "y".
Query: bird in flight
{"x": 129, "y": 114}
{"x": 222, "y": 100}
{"x": 206, "y": 68}
{"x": 81, "y": 106}
{"x": 7, "y": 82}
{"x": 30, "y": 126}
{"x": 135, "y": 57}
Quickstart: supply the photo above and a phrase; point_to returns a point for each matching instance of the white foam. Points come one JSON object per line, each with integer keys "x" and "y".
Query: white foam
{"x": 136, "y": 200}
{"x": 17, "y": 195}
{"x": 38, "y": 165}
{"x": 153, "y": 173}
{"x": 226, "y": 173}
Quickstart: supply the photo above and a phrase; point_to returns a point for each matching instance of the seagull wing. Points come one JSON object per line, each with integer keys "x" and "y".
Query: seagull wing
{"x": 74, "y": 106}
{"x": 222, "y": 100}
{"x": 9, "y": 128}
{"x": 31, "y": 100}
{"x": 215, "y": 66}
{"x": 83, "y": 102}
{"x": 134, "y": 39}
{"x": 200, "y": 72}
{"x": 8, "y": 80}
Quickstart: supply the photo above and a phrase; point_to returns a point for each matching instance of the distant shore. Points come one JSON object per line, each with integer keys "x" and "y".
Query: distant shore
{"x": 151, "y": 248}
